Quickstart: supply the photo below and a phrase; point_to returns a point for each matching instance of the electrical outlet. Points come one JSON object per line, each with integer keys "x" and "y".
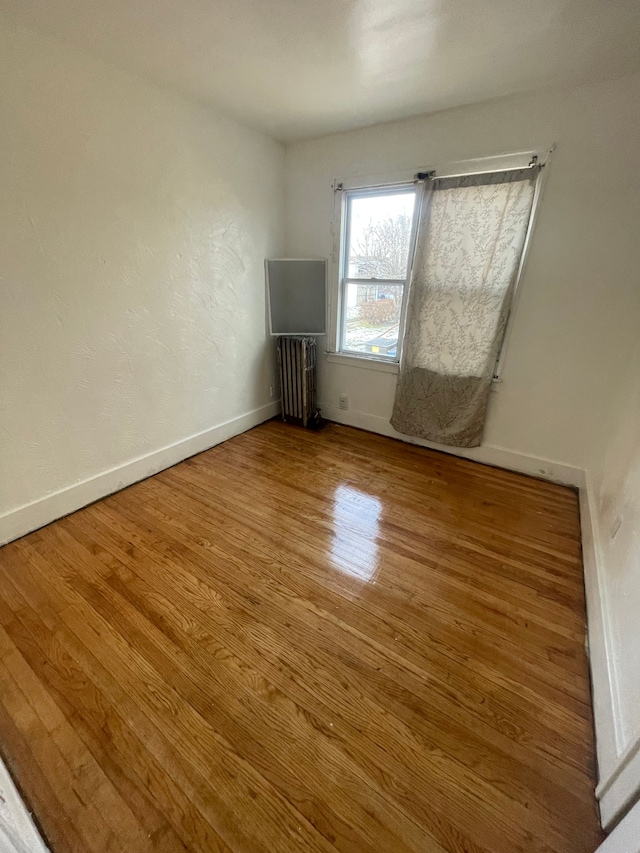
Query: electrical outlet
{"x": 344, "y": 401}
{"x": 272, "y": 390}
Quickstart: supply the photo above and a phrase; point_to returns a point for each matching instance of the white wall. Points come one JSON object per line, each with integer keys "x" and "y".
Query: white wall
{"x": 134, "y": 225}
{"x": 569, "y": 402}
{"x": 577, "y": 310}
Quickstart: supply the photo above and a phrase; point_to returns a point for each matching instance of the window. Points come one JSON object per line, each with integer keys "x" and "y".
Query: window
{"x": 378, "y": 238}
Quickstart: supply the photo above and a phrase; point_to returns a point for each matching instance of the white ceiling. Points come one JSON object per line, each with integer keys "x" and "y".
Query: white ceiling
{"x": 299, "y": 68}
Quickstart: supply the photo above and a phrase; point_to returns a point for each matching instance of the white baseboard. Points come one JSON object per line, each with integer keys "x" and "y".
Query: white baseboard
{"x": 488, "y": 454}
{"x": 31, "y": 516}
{"x": 621, "y": 789}
{"x": 18, "y": 833}
{"x": 625, "y": 838}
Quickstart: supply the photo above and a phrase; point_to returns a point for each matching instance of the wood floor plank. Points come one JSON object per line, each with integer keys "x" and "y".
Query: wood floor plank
{"x": 190, "y": 737}
{"x": 91, "y": 713}
{"x": 363, "y": 611}
{"x": 241, "y": 702}
{"x": 392, "y": 733}
{"x": 415, "y": 566}
{"x": 392, "y": 603}
{"x": 296, "y": 604}
{"x": 296, "y": 640}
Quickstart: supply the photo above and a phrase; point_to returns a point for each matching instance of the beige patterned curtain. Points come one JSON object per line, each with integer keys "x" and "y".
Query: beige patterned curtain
{"x": 470, "y": 240}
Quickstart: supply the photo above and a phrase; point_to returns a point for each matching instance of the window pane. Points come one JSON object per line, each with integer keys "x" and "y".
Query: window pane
{"x": 379, "y": 235}
{"x": 372, "y": 317}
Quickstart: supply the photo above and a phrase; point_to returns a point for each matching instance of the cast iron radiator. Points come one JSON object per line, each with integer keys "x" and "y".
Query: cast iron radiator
{"x": 297, "y": 358}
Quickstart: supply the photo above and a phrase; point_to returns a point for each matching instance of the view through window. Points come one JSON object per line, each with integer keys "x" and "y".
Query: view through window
{"x": 378, "y": 234}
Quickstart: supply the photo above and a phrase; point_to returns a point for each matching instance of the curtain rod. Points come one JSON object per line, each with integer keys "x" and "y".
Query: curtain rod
{"x": 422, "y": 176}
{"x": 533, "y": 164}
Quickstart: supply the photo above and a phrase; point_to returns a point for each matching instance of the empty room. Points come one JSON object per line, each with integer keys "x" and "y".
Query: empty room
{"x": 320, "y": 426}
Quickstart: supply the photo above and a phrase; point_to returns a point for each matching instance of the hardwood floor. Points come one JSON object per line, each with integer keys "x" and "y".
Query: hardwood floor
{"x": 304, "y": 641}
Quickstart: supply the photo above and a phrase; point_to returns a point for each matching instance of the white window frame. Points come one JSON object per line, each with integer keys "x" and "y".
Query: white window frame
{"x": 343, "y": 196}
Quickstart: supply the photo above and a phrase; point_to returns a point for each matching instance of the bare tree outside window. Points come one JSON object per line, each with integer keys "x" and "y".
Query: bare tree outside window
{"x": 382, "y": 249}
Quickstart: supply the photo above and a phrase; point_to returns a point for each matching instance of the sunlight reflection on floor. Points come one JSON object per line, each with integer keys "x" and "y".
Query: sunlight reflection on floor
{"x": 356, "y": 512}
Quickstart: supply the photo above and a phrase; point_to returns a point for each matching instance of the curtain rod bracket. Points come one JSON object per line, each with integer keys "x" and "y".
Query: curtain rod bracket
{"x": 423, "y": 176}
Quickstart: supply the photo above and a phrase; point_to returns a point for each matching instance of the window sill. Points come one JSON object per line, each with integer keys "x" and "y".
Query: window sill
{"x": 362, "y": 361}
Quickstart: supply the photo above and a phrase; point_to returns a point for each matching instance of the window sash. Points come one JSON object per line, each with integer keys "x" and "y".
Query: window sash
{"x": 376, "y": 192}
{"x": 343, "y": 316}
{"x": 344, "y": 280}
